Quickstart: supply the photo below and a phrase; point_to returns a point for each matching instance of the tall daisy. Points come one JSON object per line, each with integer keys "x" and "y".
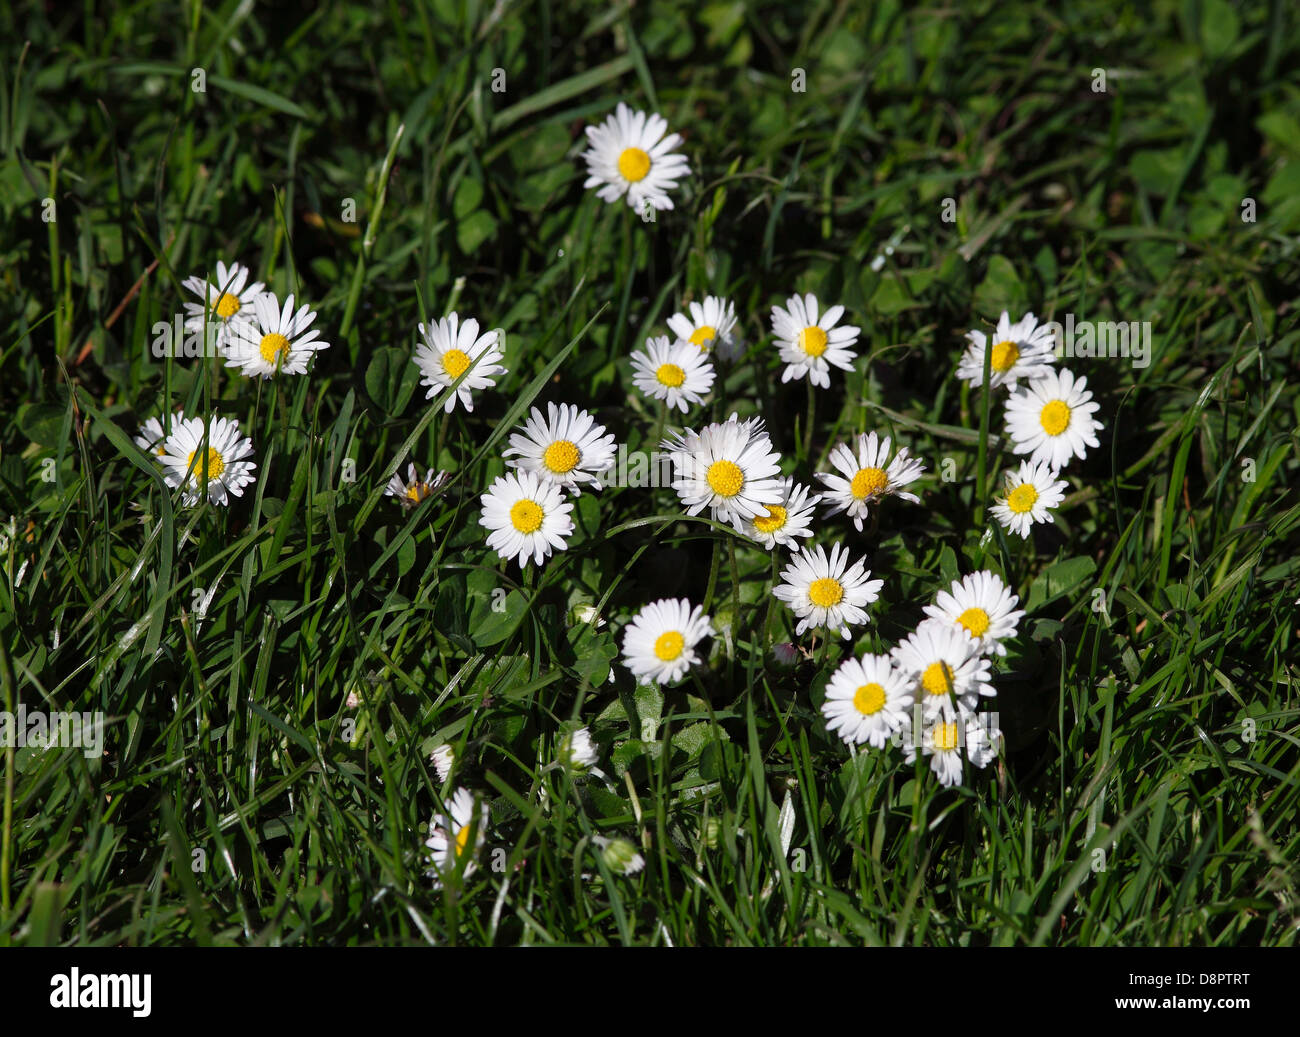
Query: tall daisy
{"x": 709, "y": 325}
{"x": 659, "y": 643}
{"x": 451, "y": 349}
{"x": 1028, "y": 495}
{"x": 789, "y": 518}
{"x": 526, "y": 517}
{"x": 728, "y": 467}
{"x": 868, "y": 475}
{"x": 215, "y": 468}
{"x": 811, "y": 346}
{"x": 629, "y": 155}
{"x": 227, "y": 301}
{"x": 450, "y": 835}
{"x": 867, "y": 700}
{"x": 413, "y": 489}
{"x": 941, "y": 661}
{"x": 676, "y": 372}
{"x": 982, "y": 607}
{"x": 566, "y": 447}
{"x": 1020, "y": 350}
{"x": 274, "y": 340}
{"x": 827, "y": 591}
{"x": 1051, "y": 418}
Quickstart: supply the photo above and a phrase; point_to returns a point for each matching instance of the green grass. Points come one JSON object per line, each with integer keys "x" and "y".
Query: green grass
{"x": 1151, "y": 787}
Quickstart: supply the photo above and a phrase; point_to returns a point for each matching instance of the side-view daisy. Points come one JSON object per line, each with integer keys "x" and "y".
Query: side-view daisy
{"x": 827, "y": 591}
{"x": 526, "y": 517}
{"x": 940, "y": 661}
{"x": 151, "y": 437}
{"x": 442, "y": 758}
{"x": 629, "y": 155}
{"x": 1050, "y": 418}
{"x": 216, "y": 472}
{"x": 577, "y": 751}
{"x": 227, "y": 301}
{"x": 709, "y": 325}
{"x": 810, "y": 346}
{"x": 566, "y": 447}
{"x": 867, "y": 476}
{"x": 1020, "y": 350}
{"x": 448, "y": 349}
{"x": 449, "y": 836}
{"x": 274, "y": 340}
{"x": 728, "y": 467}
{"x": 676, "y": 372}
{"x": 411, "y": 490}
{"x": 659, "y": 643}
{"x": 790, "y": 517}
{"x": 982, "y": 607}
{"x": 1028, "y": 495}
{"x": 867, "y": 700}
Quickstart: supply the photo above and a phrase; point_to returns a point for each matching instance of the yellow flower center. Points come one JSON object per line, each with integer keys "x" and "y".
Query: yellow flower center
{"x": 725, "y": 478}
{"x": 937, "y": 678}
{"x": 455, "y": 362}
{"x": 526, "y": 516}
{"x": 869, "y": 699}
{"x": 669, "y": 646}
{"x": 274, "y": 348}
{"x": 945, "y": 737}
{"x": 462, "y": 840}
{"x": 216, "y": 464}
{"x": 812, "y": 340}
{"x": 417, "y": 491}
{"x": 772, "y": 521}
{"x": 227, "y": 306}
{"x": 868, "y": 482}
{"x": 1022, "y": 498}
{"x": 1005, "y": 355}
{"x": 703, "y": 336}
{"x": 633, "y": 164}
{"x": 1055, "y": 417}
{"x": 976, "y": 620}
{"x": 561, "y": 456}
{"x": 670, "y": 375}
{"x": 826, "y": 592}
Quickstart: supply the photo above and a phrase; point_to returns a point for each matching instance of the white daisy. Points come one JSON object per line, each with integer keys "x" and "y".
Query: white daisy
{"x": 940, "y": 660}
{"x": 227, "y": 301}
{"x": 981, "y": 606}
{"x": 274, "y": 340}
{"x": 566, "y": 447}
{"x": 659, "y": 643}
{"x": 577, "y": 751}
{"x": 449, "y": 840}
{"x": 1028, "y": 496}
{"x": 868, "y": 476}
{"x": 946, "y": 740}
{"x": 709, "y": 325}
{"x": 827, "y": 592}
{"x": 983, "y": 739}
{"x": 442, "y": 758}
{"x": 629, "y": 155}
{"x": 676, "y": 372}
{"x": 411, "y": 490}
{"x": 450, "y": 349}
{"x": 223, "y": 464}
{"x": 789, "y": 518}
{"x": 151, "y": 436}
{"x": 867, "y": 700}
{"x": 728, "y": 467}
{"x": 1020, "y": 350}
{"x": 810, "y": 346}
{"x": 1051, "y": 418}
{"x": 526, "y": 517}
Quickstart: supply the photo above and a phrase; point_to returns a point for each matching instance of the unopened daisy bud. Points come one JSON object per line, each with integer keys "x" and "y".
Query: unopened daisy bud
{"x": 577, "y": 752}
{"x": 621, "y": 855}
{"x": 587, "y": 614}
{"x": 785, "y": 653}
{"x": 354, "y": 700}
{"x": 442, "y": 758}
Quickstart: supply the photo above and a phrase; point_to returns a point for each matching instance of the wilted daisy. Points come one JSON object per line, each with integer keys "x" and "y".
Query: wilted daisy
{"x": 659, "y": 643}
{"x": 1029, "y": 494}
{"x": 566, "y": 447}
{"x": 411, "y": 490}
{"x": 577, "y": 751}
{"x": 939, "y": 660}
{"x": 227, "y": 301}
{"x": 867, "y": 700}
{"x": 450, "y": 348}
{"x": 449, "y": 837}
{"x": 709, "y": 324}
{"x": 789, "y": 518}
{"x": 810, "y": 346}
{"x": 442, "y": 758}
{"x": 1051, "y": 418}
{"x": 980, "y": 605}
{"x": 867, "y": 476}
{"x": 827, "y": 591}
{"x": 629, "y": 155}
{"x": 728, "y": 467}
{"x": 1020, "y": 350}
{"x": 275, "y": 340}
{"x": 675, "y": 372}
{"x": 222, "y": 465}
{"x": 526, "y": 516}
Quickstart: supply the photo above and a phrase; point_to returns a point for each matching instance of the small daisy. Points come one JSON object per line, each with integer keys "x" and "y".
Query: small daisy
{"x": 945, "y": 741}
{"x": 224, "y": 466}
{"x": 708, "y": 326}
{"x": 620, "y": 855}
{"x": 1031, "y": 491}
{"x": 526, "y": 517}
{"x": 941, "y": 660}
{"x": 676, "y": 372}
{"x": 567, "y": 447}
{"x": 411, "y": 490}
{"x": 827, "y": 592}
{"x": 868, "y": 476}
{"x": 228, "y": 302}
{"x": 810, "y": 346}
{"x": 442, "y": 758}
{"x": 1051, "y": 418}
{"x": 982, "y": 607}
{"x": 729, "y": 467}
{"x": 659, "y": 643}
{"x": 152, "y": 436}
{"x": 867, "y": 700}
{"x": 629, "y": 155}
{"x": 274, "y": 340}
{"x": 577, "y": 751}
{"x": 983, "y": 739}
{"x": 1020, "y": 350}
{"x": 450, "y": 840}
{"x": 448, "y": 350}
{"x": 788, "y": 518}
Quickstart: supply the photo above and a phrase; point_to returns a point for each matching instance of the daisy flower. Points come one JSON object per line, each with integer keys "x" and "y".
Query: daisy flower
{"x": 151, "y": 436}
{"x": 867, "y": 700}
{"x": 629, "y": 155}
{"x": 1051, "y": 418}
{"x": 450, "y": 349}
{"x": 708, "y": 326}
{"x": 945, "y": 741}
{"x": 411, "y": 490}
{"x": 940, "y": 660}
{"x": 449, "y": 841}
{"x": 788, "y": 518}
{"x": 659, "y": 643}
{"x": 274, "y": 340}
{"x": 566, "y": 447}
{"x": 442, "y": 758}
{"x": 577, "y": 751}
{"x": 526, "y": 516}
{"x": 227, "y": 302}
{"x": 867, "y": 476}
{"x": 728, "y": 467}
{"x": 676, "y": 372}
{"x": 1030, "y": 492}
{"x": 982, "y": 607}
{"x": 810, "y": 346}
{"x": 222, "y": 465}
{"x": 827, "y": 592}
{"x": 1020, "y": 350}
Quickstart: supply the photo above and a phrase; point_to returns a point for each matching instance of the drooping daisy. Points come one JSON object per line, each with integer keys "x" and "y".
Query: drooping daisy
{"x": 1020, "y": 350}
{"x": 867, "y": 700}
{"x": 449, "y": 836}
{"x": 868, "y": 476}
{"x": 982, "y": 607}
{"x": 659, "y": 643}
{"x": 577, "y": 751}
{"x": 566, "y": 447}
{"x": 810, "y": 346}
{"x": 227, "y": 301}
{"x": 939, "y": 661}
{"x": 1029, "y": 494}
{"x": 709, "y": 325}
{"x": 827, "y": 591}
{"x": 526, "y": 516}
{"x": 787, "y": 519}
{"x": 629, "y": 155}
{"x": 450, "y": 348}
{"x": 411, "y": 490}
{"x": 675, "y": 372}
{"x": 728, "y": 467}
{"x": 620, "y": 855}
{"x": 274, "y": 340}
{"x": 222, "y": 465}
{"x": 1050, "y": 418}
{"x": 442, "y": 758}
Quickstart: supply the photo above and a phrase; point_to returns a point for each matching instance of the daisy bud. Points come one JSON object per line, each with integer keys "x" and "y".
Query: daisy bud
{"x": 621, "y": 855}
